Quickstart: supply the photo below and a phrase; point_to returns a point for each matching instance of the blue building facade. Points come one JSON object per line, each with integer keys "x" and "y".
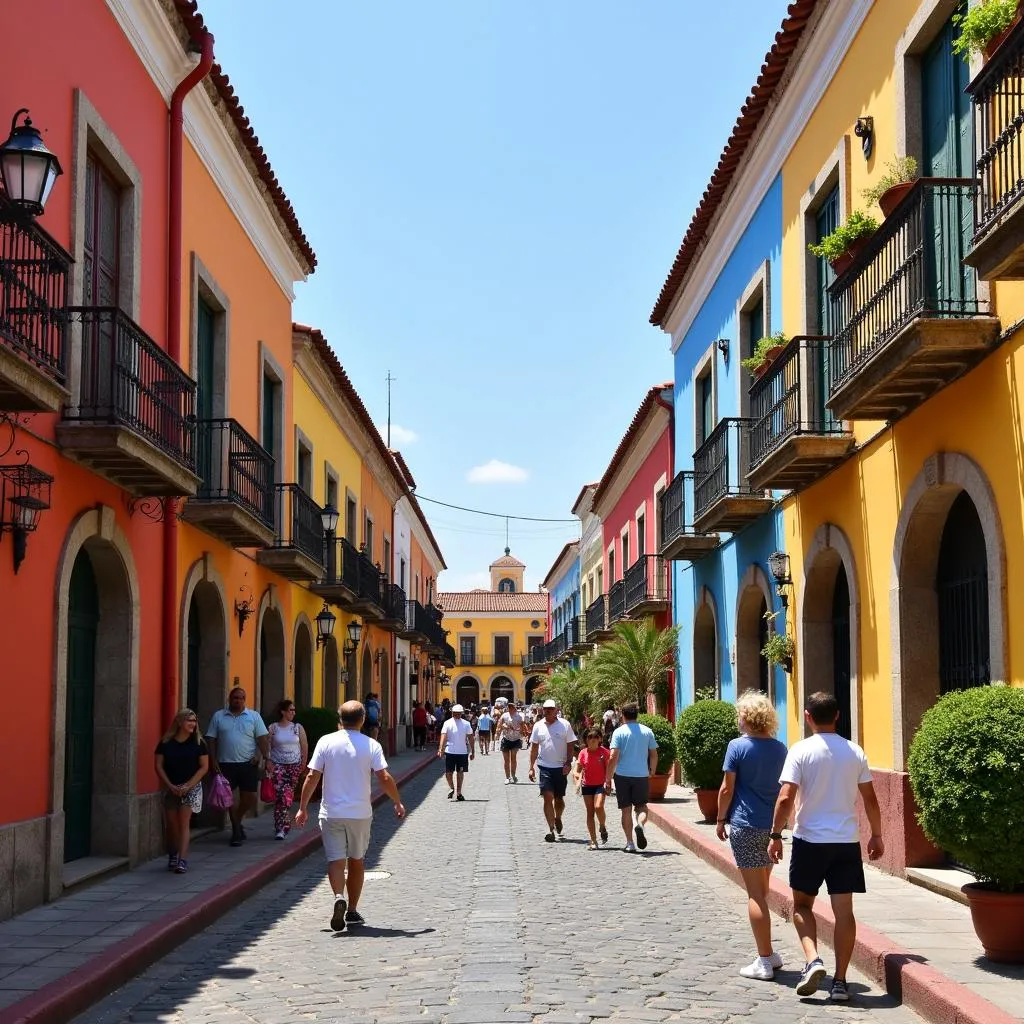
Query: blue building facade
{"x": 723, "y": 594}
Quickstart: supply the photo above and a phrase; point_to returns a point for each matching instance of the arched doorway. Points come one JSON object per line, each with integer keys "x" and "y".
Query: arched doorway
{"x": 752, "y": 668}
{"x": 99, "y": 723}
{"x": 272, "y": 664}
{"x": 206, "y": 661}
{"x": 705, "y": 651}
{"x": 828, "y": 623}
{"x": 366, "y": 676}
{"x": 502, "y": 686}
{"x": 531, "y": 687}
{"x": 467, "y": 691}
{"x": 303, "y": 666}
{"x": 948, "y": 593}
{"x": 331, "y": 675}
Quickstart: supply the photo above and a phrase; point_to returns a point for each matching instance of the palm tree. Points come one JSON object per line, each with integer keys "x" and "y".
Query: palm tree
{"x": 637, "y": 662}
{"x": 573, "y": 689}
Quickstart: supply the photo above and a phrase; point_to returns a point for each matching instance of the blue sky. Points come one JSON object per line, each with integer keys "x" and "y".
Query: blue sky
{"x": 495, "y": 192}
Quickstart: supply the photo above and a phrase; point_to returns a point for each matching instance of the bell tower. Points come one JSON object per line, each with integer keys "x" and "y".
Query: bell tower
{"x": 507, "y": 574}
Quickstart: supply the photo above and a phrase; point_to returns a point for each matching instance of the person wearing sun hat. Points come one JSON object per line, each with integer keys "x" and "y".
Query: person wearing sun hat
{"x": 552, "y": 749}
{"x": 456, "y": 743}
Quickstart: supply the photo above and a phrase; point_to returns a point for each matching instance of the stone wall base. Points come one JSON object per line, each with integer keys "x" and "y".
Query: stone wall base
{"x": 906, "y": 846}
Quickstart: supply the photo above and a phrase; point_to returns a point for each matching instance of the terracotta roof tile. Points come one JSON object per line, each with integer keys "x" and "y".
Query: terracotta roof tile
{"x": 753, "y": 110}
{"x": 456, "y": 603}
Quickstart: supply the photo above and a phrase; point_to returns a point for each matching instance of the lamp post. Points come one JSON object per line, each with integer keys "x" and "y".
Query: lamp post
{"x": 27, "y": 168}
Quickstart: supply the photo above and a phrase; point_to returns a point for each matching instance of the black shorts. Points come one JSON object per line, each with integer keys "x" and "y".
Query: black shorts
{"x": 552, "y": 780}
{"x": 591, "y": 790}
{"x": 243, "y": 775}
{"x": 511, "y": 744}
{"x": 632, "y": 790}
{"x": 456, "y": 762}
{"x": 839, "y": 865}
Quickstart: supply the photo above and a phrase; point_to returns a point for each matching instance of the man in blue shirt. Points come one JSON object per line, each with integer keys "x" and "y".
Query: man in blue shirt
{"x": 237, "y": 739}
{"x": 634, "y": 758}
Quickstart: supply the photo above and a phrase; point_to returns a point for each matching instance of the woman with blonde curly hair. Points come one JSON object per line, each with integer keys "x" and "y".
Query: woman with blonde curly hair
{"x": 746, "y": 802}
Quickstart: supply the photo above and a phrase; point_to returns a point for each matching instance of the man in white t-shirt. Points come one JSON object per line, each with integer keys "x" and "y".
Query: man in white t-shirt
{"x": 345, "y": 760}
{"x": 552, "y": 750}
{"x": 822, "y": 776}
{"x": 456, "y": 743}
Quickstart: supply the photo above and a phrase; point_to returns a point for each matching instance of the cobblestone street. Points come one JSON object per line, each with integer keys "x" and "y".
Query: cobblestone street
{"x": 504, "y": 927}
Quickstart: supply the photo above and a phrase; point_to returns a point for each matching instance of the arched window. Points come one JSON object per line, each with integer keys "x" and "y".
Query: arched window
{"x": 507, "y": 586}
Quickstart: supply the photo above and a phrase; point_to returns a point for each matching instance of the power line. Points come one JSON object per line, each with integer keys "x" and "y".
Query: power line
{"x": 495, "y": 515}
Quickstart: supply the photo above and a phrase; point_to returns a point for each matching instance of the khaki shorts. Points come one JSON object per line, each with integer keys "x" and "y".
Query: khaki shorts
{"x": 345, "y": 838}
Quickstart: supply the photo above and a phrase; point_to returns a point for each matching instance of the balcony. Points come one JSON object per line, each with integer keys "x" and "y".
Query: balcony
{"x": 417, "y": 624}
{"x": 647, "y": 589}
{"x": 578, "y": 642}
{"x": 392, "y": 600}
{"x": 908, "y": 319}
{"x": 369, "y": 599}
{"x": 340, "y": 581}
{"x": 997, "y": 249}
{"x": 597, "y": 624}
{"x": 795, "y": 439}
{"x": 33, "y": 324}
{"x": 722, "y": 494}
{"x": 679, "y": 541}
{"x": 134, "y": 421}
{"x": 447, "y": 655}
{"x": 617, "y": 602}
{"x": 556, "y": 647}
{"x": 298, "y": 549}
{"x": 235, "y": 499}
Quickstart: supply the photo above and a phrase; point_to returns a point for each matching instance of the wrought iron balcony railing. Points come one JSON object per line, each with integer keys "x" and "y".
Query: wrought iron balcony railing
{"x": 721, "y": 464}
{"x": 393, "y": 601}
{"x": 297, "y": 521}
{"x": 234, "y": 467}
{"x": 597, "y": 615}
{"x": 617, "y": 602}
{"x": 127, "y": 380}
{"x": 646, "y": 583}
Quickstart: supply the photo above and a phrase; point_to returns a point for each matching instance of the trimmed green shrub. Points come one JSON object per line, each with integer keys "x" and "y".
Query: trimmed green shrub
{"x": 967, "y": 772}
{"x": 703, "y": 732}
{"x": 317, "y": 722}
{"x": 662, "y": 729}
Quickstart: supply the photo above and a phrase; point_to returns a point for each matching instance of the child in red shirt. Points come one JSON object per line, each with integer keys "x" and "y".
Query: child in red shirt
{"x": 591, "y": 768}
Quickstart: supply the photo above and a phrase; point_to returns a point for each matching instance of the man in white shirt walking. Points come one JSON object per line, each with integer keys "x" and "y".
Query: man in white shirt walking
{"x": 827, "y": 771}
{"x": 551, "y": 748}
{"x": 456, "y": 743}
{"x": 345, "y": 760}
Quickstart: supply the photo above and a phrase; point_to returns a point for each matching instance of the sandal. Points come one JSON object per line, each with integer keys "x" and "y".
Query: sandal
{"x": 182, "y": 866}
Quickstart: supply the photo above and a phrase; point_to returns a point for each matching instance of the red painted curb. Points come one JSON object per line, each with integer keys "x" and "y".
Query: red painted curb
{"x": 925, "y": 990}
{"x": 59, "y": 1001}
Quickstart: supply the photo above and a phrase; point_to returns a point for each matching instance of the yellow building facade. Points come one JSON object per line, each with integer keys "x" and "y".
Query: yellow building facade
{"x": 492, "y": 632}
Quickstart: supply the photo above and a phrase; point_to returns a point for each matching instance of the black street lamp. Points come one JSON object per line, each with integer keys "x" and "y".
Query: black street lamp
{"x": 778, "y": 564}
{"x": 329, "y": 518}
{"x": 27, "y": 168}
{"x": 355, "y": 631}
{"x": 324, "y": 626}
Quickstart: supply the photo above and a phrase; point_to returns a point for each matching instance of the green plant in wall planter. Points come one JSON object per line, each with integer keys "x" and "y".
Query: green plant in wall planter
{"x": 841, "y": 246}
{"x": 779, "y": 650}
{"x": 983, "y": 26}
{"x": 765, "y": 351}
{"x": 890, "y": 189}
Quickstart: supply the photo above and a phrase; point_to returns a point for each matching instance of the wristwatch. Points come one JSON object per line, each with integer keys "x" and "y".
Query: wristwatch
{"x": 774, "y": 835}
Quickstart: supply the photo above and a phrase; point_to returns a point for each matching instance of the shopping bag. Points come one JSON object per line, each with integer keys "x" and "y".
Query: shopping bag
{"x": 220, "y": 797}
{"x": 267, "y": 792}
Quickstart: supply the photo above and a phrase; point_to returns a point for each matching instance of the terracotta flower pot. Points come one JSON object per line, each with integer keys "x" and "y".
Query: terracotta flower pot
{"x": 998, "y": 919}
{"x": 842, "y": 263}
{"x": 997, "y": 40}
{"x": 659, "y": 786}
{"x": 892, "y": 197}
{"x": 707, "y": 801}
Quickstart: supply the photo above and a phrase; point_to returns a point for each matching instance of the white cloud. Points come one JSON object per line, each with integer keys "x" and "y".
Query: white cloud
{"x": 399, "y": 435}
{"x": 497, "y": 472}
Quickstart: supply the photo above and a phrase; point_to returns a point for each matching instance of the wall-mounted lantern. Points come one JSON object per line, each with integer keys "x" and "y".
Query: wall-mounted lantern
{"x": 324, "y": 626}
{"x": 24, "y": 493}
{"x": 778, "y": 565}
{"x": 864, "y": 129}
{"x": 329, "y": 518}
{"x": 244, "y": 608}
{"x": 355, "y": 632}
{"x": 27, "y": 168}
{"x": 722, "y": 344}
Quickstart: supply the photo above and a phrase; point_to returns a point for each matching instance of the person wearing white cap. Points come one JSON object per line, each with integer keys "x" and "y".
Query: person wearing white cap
{"x": 456, "y": 743}
{"x": 552, "y": 750}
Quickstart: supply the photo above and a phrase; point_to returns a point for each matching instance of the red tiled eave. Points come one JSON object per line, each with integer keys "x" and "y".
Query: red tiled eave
{"x": 195, "y": 27}
{"x": 753, "y": 110}
{"x": 523, "y": 602}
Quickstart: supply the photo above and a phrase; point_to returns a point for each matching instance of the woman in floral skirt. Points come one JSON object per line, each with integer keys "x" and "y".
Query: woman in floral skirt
{"x": 181, "y": 763}
{"x": 286, "y": 763}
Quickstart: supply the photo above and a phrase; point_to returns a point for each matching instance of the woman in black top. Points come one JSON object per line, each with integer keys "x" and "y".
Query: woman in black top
{"x": 181, "y": 763}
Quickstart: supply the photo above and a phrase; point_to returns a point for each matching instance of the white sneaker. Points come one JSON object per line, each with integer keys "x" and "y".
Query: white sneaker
{"x": 629, "y": 848}
{"x": 508, "y": 782}
{"x": 775, "y": 960}
{"x": 758, "y": 970}
{"x": 280, "y": 835}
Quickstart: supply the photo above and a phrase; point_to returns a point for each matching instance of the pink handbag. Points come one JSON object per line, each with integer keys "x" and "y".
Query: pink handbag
{"x": 220, "y": 797}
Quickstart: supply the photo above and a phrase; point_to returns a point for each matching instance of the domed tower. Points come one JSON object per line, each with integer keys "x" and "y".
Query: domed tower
{"x": 507, "y": 574}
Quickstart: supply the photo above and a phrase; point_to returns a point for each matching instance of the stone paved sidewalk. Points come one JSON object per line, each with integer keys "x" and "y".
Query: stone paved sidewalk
{"x": 935, "y": 928}
{"x": 46, "y": 944}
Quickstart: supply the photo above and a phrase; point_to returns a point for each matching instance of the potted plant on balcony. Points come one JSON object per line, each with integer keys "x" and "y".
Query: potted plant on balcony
{"x": 966, "y": 770}
{"x": 890, "y": 189}
{"x": 765, "y": 351}
{"x": 841, "y": 247}
{"x": 984, "y": 27}
{"x": 703, "y": 732}
{"x": 662, "y": 729}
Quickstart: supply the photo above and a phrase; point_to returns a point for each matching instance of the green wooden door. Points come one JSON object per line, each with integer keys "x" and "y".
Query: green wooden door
{"x": 204, "y": 392}
{"x": 947, "y": 153}
{"x": 826, "y": 220}
{"x": 83, "y": 620}
{"x": 192, "y": 664}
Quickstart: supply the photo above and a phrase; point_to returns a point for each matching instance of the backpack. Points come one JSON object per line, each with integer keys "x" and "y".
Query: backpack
{"x": 373, "y": 712}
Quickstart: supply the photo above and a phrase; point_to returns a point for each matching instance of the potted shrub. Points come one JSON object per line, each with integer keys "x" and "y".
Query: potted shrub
{"x": 893, "y": 186}
{"x": 984, "y": 26}
{"x": 778, "y": 650}
{"x": 765, "y": 351}
{"x": 841, "y": 247}
{"x": 703, "y": 732}
{"x": 966, "y": 769}
{"x": 662, "y": 729}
